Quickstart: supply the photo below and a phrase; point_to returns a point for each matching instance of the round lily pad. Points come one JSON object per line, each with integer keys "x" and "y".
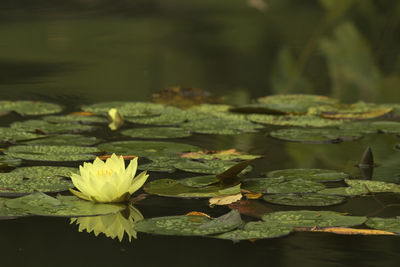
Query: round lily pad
{"x": 385, "y": 224}
{"x": 304, "y": 200}
{"x": 8, "y": 213}
{"x": 344, "y": 191}
{"x": 42, "y": 204}
{"x": 390, "y": 127}
{"x": 75, "y": 119}
{"x": 295, "y": 103}
{"x": 7, "y": 161}
{"x": 11, "y": 135}
{"x": 374, "y": 186}
{"x": 50, "y": 128}
{"x": 293, "y": 120}
{"x": 189, "y": 225}
{"x": 316, "y": 175}
{"x": 315, "y": 136}
{"x": 156, "y": 132}
{"x": 161, "y": 164}
{"x": 26, "y": 180}
{"x": 30, "y": 107}
{"x": 65, "y": 139}
{"x": 52, "y": 153}
{"x": 149, "y": 149}
{"x": 207, "y": 166}
{"x": 169, "y": 116}
{"x": 173, "y": 188}
{"x": 199, "y": 181}
{"x": 257, "y": 230}
{"x": 308, "y": 218}
{"x": 280, "y": 186}
{"x": 230, "y": 154}
{"x": 127, "y": 109}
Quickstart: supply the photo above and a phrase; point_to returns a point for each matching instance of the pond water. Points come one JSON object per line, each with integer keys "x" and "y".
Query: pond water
{"x": 85, "y": 52}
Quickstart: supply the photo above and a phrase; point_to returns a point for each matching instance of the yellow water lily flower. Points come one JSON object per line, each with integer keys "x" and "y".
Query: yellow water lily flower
{"x": 108, "y": 181}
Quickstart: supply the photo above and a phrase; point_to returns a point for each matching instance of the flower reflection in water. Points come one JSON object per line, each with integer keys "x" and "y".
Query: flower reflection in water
{"x": 111, "y": 225}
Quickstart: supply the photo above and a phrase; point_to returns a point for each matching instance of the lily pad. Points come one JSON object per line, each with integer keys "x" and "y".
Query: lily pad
{"x": 169, "y": 116}
{"x": 26, "y": 180}
{"x": 374, "y": 186}
{"x": 304, "y": 200}
{"x": 344, "y": 191}
{"x": 75, "y": 119}
{"x": 173, "y": 188}
{"x": 207, "y": 166}
{"x": 160, "y": 164}
{"x": 390, "y": 127}
{"x": 41, "y": 204}
{"x": 294, "y": 120}
{"x": 385, "y": 224}
{"x": 65, "y": 139}
{"x": 308, "y": 218}
{"x": 149, "y": 149}
{"x": 199, "y": 181}
{"x": 315, "y": 136}
{"x": 316, "y": 175}
{"x": 256, "y": 230}
{"x": 50, "y": 128}
{"x": 51, "y": 153}
{"x": 156, "y": 132}
{"x": 11, "y": 135}
{"x": 280, "y": 186}
{"x": 230, "y": 154}
{"x": 190, "y": 225}
{"x": 7, "y": 161}
{"x": 30, "y": 107}
{"x": 127, "y": 109}
{"x": 8, "y": 213}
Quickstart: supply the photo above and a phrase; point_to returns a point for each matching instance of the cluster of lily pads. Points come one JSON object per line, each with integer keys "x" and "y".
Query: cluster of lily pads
{"x": 40, "y": 137}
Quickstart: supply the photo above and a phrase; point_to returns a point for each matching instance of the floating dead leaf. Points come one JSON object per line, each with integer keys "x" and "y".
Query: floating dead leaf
{"x": 126, "y": 157}
{"x": 82, "y": 113}
{"x": 229, "y": 154}
{"x": 230, "y": 174}
{"x": 183, "y": 97}
{"x": 250, "y": 195}
{"x": 344, "y": 231}
{"x": 198, "y": 213}
{"x": 225, "y": 200}
{"x": 251, "y": 208}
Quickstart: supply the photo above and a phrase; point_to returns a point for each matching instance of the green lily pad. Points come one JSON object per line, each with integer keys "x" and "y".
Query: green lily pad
{"x": 173, "y": 188}
{"x": 315, "y": 136}
{"x": 308, "y": 218}
{"x": 189, "y": 225}
{"x": 41, "y": 204}
{"x": 75, "y": 119}
{"x": 127, "y": 109}
{"x": 52, "y": 153}
{"x": 230, "y": 154}
{"x": 148, "y": 149}
{"x": 316, "y": 175}
{"x": 30, "y": 107}
{"x": 280, "y": 186}
{"x": 65, "y": 139}
{"x": 304, "y": 200}
{"x": 374, "y": 186}
{"x": 156, "y": 132}
{"x": 169, "y": 116}
{"x": 293, "y": 120}
{"x": 7, "y": 161}
{"x": 389, "y": 127}
{"x": 26, "y": 180}
{"x": 344, "y": 191}
{"x": 161, "y": 164}
{"x": 8, "y": 213}
{"x": 256, "y": 230}
{"x": 295, "y": 103}
{"x": 11, "y": 135}
{"x": 207, "y": 166}
{"x": 221, "y": 125}
{"x": 199, "y": 181}
{"x": 385, "y": 224}
{"x": 50, "y": 128}
{"x": 260, "y": 108}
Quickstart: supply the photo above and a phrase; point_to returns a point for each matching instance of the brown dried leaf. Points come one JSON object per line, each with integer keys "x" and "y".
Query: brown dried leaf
{"x": 345, "y": 231}
{"x": 251, "y": 208}
{"x": 197, "y": 213}
{"x": 82, "y": 113}
{"x": 225, "y": 200}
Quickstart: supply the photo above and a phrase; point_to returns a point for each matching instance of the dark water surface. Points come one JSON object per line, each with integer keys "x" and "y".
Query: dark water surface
{"x": 88, "y": 51}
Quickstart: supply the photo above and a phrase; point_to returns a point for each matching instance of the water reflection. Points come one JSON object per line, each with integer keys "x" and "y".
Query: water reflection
{"x": 111, "y": 225}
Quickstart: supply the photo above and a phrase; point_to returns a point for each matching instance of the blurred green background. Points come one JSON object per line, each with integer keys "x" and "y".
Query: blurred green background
{"x": 98, "y": 50}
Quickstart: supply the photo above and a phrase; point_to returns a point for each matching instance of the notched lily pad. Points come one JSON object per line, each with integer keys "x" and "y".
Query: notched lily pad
{"x": 52, "y": 153}
{"x": 11, "y": 135}
{"x": 199, "y": 181}
{"x": 127, "y": 109}
{"x": 189, "y": 225}
{"x": 308, "y": 218}
{"x": 65, "y": 139}
{"x": 207, "y": 166}
{"x": 7, "y": 161}
{"x": 304, "y": 200}
{"x": 387, "y": 127}
{"x": 42, "y": 204}
{"x": 344, "y": 191}
{"x": 280, "y": 186}
{"x": 173, "y": 188}
{"x": 156, "y": 132}
{"x": 29, "y": 107}
{"x": 75, "y": 119}
{"x": 374, "y": 186}
{"x": 45, "y": 127}
{"x": 385, "y": 224}
{"x": 315, "y": 136}
{"x": 294, "y": 120}
{"x": 316, "y": 175}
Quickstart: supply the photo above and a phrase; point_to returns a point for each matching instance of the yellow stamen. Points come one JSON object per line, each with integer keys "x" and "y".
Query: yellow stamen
{"x": 103, "y": 172}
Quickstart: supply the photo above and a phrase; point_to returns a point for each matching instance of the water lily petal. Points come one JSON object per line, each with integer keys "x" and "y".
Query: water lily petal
{"x": 79, "y": 194}
{"x": 132, "y": 168}
{"x": 138, "y": 181}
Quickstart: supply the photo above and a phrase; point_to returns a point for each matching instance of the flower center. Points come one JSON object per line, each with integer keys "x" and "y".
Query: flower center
{"x": 103, "y": 172}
